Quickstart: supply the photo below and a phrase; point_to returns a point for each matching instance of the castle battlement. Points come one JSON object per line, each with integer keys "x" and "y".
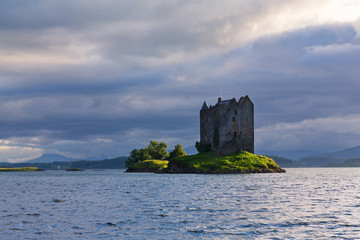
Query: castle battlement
{"x": 228, "y": 127}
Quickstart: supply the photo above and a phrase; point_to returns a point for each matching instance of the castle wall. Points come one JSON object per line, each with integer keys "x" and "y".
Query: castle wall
{"x": 207, "y": 125}
{"x": 247, "y": 126}
{"x": 229, "y": 123}
{"x": 228, "y": 126}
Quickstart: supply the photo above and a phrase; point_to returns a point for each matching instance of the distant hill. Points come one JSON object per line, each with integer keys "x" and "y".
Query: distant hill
{"x": 114, "y": 163}
{"x": 354, "y": 162}
{"x": 293, "y": 155}
{"x": 282, "y": 162}
{"x": 345, "y": 158}
{"x": 51, "y": 157}
{"x": 331, "y": 159}
{"x": 317, "y": 161}
{"x": 348, "y": 153}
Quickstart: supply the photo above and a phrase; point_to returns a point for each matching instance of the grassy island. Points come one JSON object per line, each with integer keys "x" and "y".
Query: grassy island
{"x": 243, "y": 162}
{"x": 148, "y": 166}
{"x": 22, "y": 169}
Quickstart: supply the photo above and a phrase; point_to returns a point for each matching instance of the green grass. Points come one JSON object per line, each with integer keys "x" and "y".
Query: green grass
{"x": 243, "y": 162}
{"x": 148, "y": 166}
{"x": 23, "y": 169}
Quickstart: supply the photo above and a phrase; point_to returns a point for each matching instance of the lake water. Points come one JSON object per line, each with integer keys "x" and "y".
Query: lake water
{"x": 300, "y": 204}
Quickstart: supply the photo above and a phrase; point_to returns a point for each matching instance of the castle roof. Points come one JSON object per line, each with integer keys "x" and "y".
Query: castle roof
{"x": 205, "y": 106}
{"x": 227, "y": 102}
{"x": 242, "y": 99}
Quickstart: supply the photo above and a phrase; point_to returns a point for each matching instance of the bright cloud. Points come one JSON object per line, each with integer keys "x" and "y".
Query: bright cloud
{"x": 142, "y": 36}
{"x": 16, "y": 154}
{"x": 337, "y": 132}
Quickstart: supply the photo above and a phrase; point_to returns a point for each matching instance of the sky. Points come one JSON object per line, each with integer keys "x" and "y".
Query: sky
{"x": 95, "y": 79}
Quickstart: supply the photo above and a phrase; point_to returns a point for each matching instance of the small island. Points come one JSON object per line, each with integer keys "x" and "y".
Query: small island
{"x": 226, "y": 145}
{"x": 74, "y": 170}
{"x": 206, "y": 163}
{"x": 20, "y": 169}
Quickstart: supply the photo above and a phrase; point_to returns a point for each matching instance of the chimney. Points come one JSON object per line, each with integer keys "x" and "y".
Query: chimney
{"x": 219, "y": 100}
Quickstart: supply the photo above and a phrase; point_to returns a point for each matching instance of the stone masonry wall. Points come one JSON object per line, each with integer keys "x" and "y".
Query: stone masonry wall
{"x": 228, "y": 126}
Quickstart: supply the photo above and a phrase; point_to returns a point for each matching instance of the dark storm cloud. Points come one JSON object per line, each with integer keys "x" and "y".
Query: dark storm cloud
{"x": 41, "y": 14}
{"x": 288, "y": 77}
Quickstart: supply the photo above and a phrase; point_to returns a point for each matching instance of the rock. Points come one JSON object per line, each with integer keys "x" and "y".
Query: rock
{"x": 74, "y": 169}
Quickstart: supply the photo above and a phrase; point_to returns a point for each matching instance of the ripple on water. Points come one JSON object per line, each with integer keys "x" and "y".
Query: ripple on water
{"x": 301, "y": 204}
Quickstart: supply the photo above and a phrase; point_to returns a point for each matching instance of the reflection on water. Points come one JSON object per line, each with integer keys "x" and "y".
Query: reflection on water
{"x": 299, "y": 204}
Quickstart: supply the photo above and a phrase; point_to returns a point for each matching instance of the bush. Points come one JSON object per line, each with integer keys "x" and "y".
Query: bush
{"x": 155, "y": 150}
{"x": 148, "y": 166}
{"x": 177, "y": 152}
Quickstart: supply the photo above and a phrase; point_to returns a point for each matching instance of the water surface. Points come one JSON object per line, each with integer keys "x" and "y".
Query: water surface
{"x": 300, "y": 204}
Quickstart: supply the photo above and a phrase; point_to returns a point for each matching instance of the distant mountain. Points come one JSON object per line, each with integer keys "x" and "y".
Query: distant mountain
{"x": 282, "y": 162}
{"x": 331, "y": 159}
{"x": 348, "y": 153}
{"x": 51, "y": 157}
{"x": 293, "y": 155}
{"x": 354, "y": 162}
{"x": 114, "y": 163}
{"x": 318, "y": 161}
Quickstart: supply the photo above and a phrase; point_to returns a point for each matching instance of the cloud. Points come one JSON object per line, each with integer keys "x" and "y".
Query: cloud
{"x": 97, "y": 78}
{"x": 156, "y": 34}
{"x": 356, "y": 25}
{"x": 120, "y": 144}
{"x": 322, "y": 134}
{"x": 16, "y": 154}
{"x": 334, "y": 49}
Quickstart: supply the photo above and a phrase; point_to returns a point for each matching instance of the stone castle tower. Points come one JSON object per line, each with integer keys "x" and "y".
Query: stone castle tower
{"x": 227, "y": 127}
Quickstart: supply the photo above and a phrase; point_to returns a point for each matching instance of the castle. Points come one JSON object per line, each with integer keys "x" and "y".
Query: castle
{"x": 227, "y": 127}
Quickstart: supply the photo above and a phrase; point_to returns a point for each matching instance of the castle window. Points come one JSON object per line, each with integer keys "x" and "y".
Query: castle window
{"x": 235, "y": 112}
{"x": 235, "y": 133}
{"x": 233, "y": 119}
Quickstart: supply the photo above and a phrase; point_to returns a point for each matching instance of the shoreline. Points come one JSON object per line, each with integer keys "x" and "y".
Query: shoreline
{"x": 20, "y": 169}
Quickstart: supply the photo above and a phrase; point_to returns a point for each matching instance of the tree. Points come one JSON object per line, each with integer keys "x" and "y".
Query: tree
{"x": 137, "y": 156}
{"x": 155, "y": 150}
{"x": 158, "y": 150}
{"x": 177, "y": 152}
